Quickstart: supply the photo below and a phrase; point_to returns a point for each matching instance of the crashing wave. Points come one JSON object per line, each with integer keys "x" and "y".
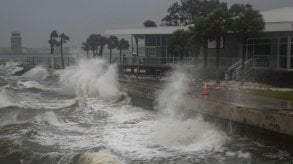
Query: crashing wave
{"x": 5, "y": 101}
{"x": 37, "y": 73}
{"x": 90, "y": 78}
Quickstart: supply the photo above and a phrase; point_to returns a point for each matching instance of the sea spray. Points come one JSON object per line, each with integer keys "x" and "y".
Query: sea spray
{"x": 174, "y": 129}
{"x": 4, "y": 100}
{"x": 90, "y": 78}
{"x": 171, "y": 98}
{"x": 37, "y": 73}
{"x": 11, "y": 67}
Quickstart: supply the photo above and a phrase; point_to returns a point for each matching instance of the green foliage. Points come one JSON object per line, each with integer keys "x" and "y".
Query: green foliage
{"x": 185, "y": 11}
{"x": 149, "y": 23}
{"x": 245, "y": 19}
{"x": 285, "y": 95}
{"x": 123, "y": 45}
{"x": 179, "y": 43}
{"x": 95, "y": 43}
{"x": 199, "y": 32}
{"x": 112, "y": 42}
{"x": 64, "y": 38}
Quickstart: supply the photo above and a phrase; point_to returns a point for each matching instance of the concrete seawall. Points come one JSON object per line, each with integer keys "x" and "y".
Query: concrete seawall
{"x": 276, "y": 124}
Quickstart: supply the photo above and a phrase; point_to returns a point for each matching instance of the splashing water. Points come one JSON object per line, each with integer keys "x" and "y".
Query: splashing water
{"x": 4, "y": 100}
{"x": 49, "y": 127}
{"x": 174, "y": 129}
{"x": 37, "y": 73}
{"x": 12, "y": 67}
{"x": 90, "y": 78}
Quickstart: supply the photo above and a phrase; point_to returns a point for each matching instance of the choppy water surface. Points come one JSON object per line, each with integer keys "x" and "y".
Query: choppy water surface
{"x": 79, "y": 116}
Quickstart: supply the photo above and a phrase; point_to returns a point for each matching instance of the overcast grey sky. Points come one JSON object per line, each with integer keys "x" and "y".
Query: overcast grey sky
{"x": 35, "y": 19}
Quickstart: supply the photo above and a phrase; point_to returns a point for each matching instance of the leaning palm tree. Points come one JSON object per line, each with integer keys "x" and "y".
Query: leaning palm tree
{"x": 53, "y": 40}
{"x": 63, "y": 39}
{"x": 112, "y": 44}
{"x": 122, "y": 45}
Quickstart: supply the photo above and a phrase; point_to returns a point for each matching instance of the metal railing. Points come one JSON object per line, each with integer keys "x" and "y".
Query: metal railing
{"x": 153, "y": 61}
{"x": 234, "y": 72}
{"x": 44, "y": 60}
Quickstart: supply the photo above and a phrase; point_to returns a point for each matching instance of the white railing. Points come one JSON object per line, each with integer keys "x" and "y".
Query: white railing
{"x": 153, "y": 61}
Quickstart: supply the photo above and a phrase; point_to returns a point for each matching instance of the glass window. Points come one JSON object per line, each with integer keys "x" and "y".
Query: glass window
{"x": 283, "y": 53}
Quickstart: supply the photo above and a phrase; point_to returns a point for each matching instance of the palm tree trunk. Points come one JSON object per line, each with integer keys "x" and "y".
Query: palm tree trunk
{"x": 101, "y": 50}
{"x": 120, "y": 55}
{"x": 52, "y": 49}
{"x": 93, "y": 53}
{"x": 205, "y": 54}
{"x": 110, "y": 56}
{"x": 87, "y": 53}
{"x": 218, "y": 44}
{"x": 62, "y": 59}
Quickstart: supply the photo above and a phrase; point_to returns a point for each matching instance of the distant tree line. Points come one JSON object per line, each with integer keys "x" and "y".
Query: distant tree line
{"x": 96, "y": 43}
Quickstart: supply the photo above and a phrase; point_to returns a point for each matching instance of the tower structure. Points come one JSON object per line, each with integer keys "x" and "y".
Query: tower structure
{"x": 16, "y": 45}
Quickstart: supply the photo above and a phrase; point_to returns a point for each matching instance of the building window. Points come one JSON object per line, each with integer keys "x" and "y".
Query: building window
{"x": 283, "y": 53}
{"x": 213, "y": 44}
{"x": 260, "y": 50}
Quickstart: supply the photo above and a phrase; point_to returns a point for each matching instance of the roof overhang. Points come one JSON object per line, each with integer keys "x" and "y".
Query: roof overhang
{"x": 146, "y": 31}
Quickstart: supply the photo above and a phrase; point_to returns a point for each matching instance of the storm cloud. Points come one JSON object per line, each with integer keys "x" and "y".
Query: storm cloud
{"x": 35, "y": 19}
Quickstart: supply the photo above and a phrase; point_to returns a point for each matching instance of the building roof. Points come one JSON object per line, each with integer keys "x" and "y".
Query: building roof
{"x": 149, "y": 30}
{"x": 278, "y": 15}
{"x": 276, "y": 20}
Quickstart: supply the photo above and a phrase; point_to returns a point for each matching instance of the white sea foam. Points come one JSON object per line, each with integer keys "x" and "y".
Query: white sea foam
{"x": 5, "y": 101}
{"x": 50, "y": 118}
{"x": 31, "y": 84}
{"x": 8, "y": 120}
{"x": 90, "y": 78}
{"x": 100, "y": 157}
{"x": 12, "y": 67}
{"x": 188, "y": 135}
{"x": 173, "y": 129}
{"x": 37, "y": 73}
{"x": 170, "y": 100}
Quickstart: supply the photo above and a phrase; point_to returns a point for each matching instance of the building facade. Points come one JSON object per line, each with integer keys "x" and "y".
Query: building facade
{"x": 271, "y": 49}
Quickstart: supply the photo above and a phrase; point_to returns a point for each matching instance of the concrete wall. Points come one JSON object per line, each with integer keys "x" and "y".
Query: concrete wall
{"x": 272, "y": 120}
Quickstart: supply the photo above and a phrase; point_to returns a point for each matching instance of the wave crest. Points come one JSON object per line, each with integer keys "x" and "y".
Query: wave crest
{"x": 90, "y": 78}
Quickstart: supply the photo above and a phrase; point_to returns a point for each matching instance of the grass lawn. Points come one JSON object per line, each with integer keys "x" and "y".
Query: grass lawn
{"x": 285, "y": 95}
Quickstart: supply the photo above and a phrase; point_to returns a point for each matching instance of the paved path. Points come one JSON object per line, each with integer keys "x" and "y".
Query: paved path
{"x": 229, "y": 97}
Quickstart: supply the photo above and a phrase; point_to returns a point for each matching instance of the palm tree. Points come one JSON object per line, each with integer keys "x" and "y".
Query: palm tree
{"x": 53, "y": 40}
{"x": 102, "y": 41}
{"x": 245, "y": 19}
{"x": 200, "y": 35}
{"x": 218, "y": 25}
{"x": 86, "y": 47}
{"x": 92, "y": 41}
{"x": 63, "y": 39}
{"x": 112, "y": 43}
{"x": 178, "y": 43}
{"x": 122, "y": 45}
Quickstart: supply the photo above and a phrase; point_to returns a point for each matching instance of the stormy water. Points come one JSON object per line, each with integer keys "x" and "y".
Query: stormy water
{"x": 78, "y": 115}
